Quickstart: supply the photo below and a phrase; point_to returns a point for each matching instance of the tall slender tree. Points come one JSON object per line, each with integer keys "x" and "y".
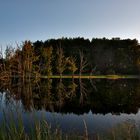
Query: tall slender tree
{"x": 47, "y": 55}
{"x": 72, "y": 65}
{"x": 83, "y": 62}
{"x": 29, "y": 58}
{"x": 61, "y": 61}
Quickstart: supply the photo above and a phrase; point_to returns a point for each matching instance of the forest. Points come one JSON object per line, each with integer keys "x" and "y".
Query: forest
{"x": 70, "y": 56}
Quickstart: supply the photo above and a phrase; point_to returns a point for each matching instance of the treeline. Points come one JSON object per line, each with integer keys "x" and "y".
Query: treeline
{"x": 71, "y": 56}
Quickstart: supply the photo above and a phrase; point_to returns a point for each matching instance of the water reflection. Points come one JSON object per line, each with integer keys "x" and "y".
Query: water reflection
{"x": 75, "y": 96}
{"x": 67, "y": 102}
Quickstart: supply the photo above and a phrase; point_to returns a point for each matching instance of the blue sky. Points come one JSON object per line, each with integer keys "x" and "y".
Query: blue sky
{"x": 44, "y": 19}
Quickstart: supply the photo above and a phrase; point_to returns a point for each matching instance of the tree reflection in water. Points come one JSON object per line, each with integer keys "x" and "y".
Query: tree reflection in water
{"x": 75, "y": 96}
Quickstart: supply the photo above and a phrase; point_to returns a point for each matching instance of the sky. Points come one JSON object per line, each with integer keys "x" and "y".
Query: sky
{"x": 33, "y": 20}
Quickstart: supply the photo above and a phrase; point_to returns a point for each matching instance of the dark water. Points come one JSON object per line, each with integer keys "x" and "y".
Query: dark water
{"x": 67, "y": 103}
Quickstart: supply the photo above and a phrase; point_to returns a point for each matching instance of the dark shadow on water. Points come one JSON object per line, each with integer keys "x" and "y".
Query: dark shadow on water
{"x": 76, "y": 96}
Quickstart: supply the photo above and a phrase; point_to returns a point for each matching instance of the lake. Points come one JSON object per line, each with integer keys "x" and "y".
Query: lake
{"x": 67, "y": 103}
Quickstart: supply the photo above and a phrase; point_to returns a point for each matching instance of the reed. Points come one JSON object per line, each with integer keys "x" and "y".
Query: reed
{"x": 123, "y": 131}
{"x": 12, "y": 128}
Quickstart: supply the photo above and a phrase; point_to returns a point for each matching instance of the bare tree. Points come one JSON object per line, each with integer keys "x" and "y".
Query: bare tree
{"x": 72, "y": 65}
{"x": 61, "y": 61}
{"x": 83, "y": 62}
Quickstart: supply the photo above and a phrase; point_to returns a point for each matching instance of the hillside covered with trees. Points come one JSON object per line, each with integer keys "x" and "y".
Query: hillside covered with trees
{"x": 71, "y": 56}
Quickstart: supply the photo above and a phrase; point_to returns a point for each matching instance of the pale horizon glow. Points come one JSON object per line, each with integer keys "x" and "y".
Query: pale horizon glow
{"x": 41, "y": 20}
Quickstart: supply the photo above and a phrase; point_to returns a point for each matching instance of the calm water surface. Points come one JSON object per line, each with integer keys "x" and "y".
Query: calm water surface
{"x": 67, "y": 103}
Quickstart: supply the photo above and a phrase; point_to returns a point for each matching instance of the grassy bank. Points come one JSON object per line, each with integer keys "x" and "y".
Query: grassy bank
{"x": 36, "y": 78}
{"x": 93, "y": 76}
